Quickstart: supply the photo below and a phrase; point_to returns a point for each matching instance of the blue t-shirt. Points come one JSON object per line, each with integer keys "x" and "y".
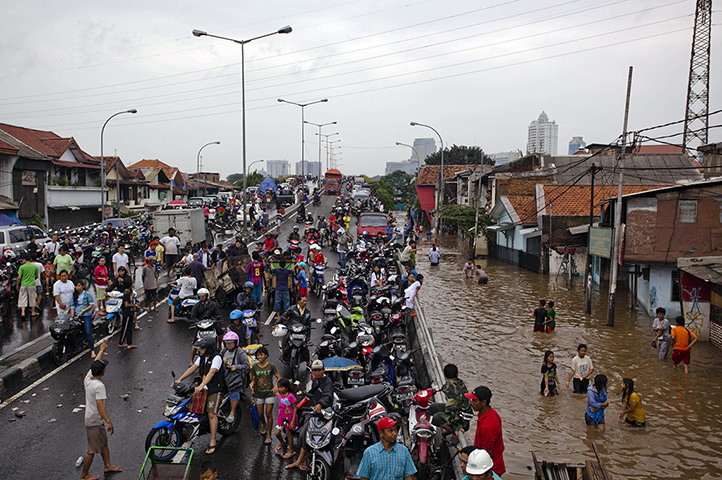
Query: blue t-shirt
{"x": 282, "y": 279}
{"x": 301, "y": 277}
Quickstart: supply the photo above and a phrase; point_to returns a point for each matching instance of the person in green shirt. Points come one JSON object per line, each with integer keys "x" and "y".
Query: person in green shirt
{"x": 551, "y": 322}
{"x": 63, "y": 262}
{"x": 452, "y": 416}
{"x": 27, "y": 274}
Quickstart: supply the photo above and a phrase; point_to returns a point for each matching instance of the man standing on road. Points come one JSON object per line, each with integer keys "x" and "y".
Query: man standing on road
{"x": 63, "y": 262}
{"x": 120, "y": 259}
{"x": 386, "y": 459}
{"x": 661, "y": 340}
{"x": 197, "y": 270}
{"x": 344, "y": 240}
{"x": 95, "y": 415}
{"x": 171, "y": 243}
{"x": 27, "y": 274}
{"x": 283, "y": 292}
{"x": 488, "y": 427}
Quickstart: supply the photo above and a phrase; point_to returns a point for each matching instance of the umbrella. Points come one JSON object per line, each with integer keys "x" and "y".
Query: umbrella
{"x": 177, "y": 202}
{"x": 338, "y": 364}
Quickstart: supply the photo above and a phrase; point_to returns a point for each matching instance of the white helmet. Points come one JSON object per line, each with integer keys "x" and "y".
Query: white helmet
{"x": 279, "y": 330}
{"x": 479, "y": 462}
{"x": 315, "y": 246}
{"x": 341, "y": 231}
{"x": 203, "y": 292}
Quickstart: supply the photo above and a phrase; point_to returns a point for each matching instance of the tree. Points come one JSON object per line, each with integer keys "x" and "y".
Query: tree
{"x": 460, "y": 155}
{"x": 253, "y": 179}
{"x": 234, "y": 177}
{"x": 395, "y": 188}
{"x": 464, "y": 217}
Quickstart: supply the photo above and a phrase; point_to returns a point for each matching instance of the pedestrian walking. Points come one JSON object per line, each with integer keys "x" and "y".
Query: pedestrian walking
{"x": 468, "y": 270}
{"x": 342, "y": 246}
{"x": 97, "y": 420}
{"x": 63, "y": 262}
{"x": 150, "y": 284}
{"x": 262, "y": 375}
{"x": 434, "y": 256}
{"x": 387, "y": 459}
{"x": 301, "y": 280}
{"x": 682, "y": 342}
{"x": 540, "y": 316}
{"x": 101, "y": 283}
{"x": 551, "y": 321}
{"x": 582, "y": 368}
{"x": 126, "y": 329}
{"x": 549, "y": 375}
{"x": 488, "y": 427}
{"x": 82, "y": 306}
{"x": 661, "y": 329}
{"x": 597, "y": 402}
{"x": 286, "y": 421}
{"x": 171, "y": 244}
{"x": 632, "y": 411}
{"x": 481, "y": 276}
{"x": 27, "y": 293}
{"x": 63, "y": 293}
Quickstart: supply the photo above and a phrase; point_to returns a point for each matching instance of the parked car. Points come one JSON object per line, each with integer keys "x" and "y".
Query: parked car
{"x": 16, "y": 237}
{"x": 195, "y": 202}
{"x": 372, "y": 223}
{"x": 118, "y": 223}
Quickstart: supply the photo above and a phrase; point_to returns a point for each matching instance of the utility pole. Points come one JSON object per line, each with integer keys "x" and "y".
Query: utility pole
{"x": 614, "y": 267}
{"x": 696, "y": 116}
{"x": 478, "y": 204}
{"x": 588, "y": 274}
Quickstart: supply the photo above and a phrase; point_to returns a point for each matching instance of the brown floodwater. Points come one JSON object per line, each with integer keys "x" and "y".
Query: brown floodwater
{"x": 487, "y": 331}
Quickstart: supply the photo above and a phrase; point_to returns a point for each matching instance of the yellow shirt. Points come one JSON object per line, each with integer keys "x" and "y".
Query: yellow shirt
{"x": 160, "y": 249}
{"x": 636, "y": 415}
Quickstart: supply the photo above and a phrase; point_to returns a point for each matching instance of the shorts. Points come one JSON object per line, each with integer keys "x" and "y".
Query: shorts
{"x": 176, "y": 301}
{"x": 28, "y": 295}
{"x": 549, "y": 329}
{"x": 580, "y": 386}
{"x": 97, "y": 438}
{"x": 679, "y": 356}
{"x": 100, "y": 292}
{"x": 234, "y": 395}
{"x": 39, "y": 289}
{"x": 282, "y": 301}
{"x": 590, "y": 421}
{"x": 171, "y": 259}
{"x": 434, "y": 264}
{"x": 213, "y": 402}
{"x": 634, "y": 423}
{"x": 150, "y": 294}
{"x": 303, "y": 291}
{"x": 267, "y": 400}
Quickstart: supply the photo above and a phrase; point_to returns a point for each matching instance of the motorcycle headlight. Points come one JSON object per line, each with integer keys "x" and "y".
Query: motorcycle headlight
{"x": 204, "y": 325}
{"x": 318, "y": 439}
{"x": 297, "y": 328}
{"x": 424, "y": 433}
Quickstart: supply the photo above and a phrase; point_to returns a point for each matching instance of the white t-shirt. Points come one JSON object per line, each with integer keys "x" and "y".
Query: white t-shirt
{"x": 410, "y": 294}
{"x": 120, "y": 260}
{"x": 187, "y": 286}
{"x": 41, "y": 270}
{"x": 434, "y": 256}
{"x": 94, "y": 391}
{"x": 171, "y": 244}
{"x": 665, "y": 325}
{"x": 406, "y": 254}
{"x": 216, "y": 363}
{"x": 212, "y": 214}
{"x": 188, "y": 258}
{"x": 52, "y": 248}
{"x": 65, "y": 291}
{"x": 581, "y": 366}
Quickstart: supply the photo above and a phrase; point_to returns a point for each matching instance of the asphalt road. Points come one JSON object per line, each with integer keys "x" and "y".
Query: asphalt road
{"x": 50, "y": 437}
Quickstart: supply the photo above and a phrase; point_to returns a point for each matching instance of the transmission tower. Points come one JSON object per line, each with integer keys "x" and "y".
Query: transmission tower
{"x": 696, "y": 119}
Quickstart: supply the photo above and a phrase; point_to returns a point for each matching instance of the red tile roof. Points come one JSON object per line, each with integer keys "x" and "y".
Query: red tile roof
{"x": 75, "y": 164}
{"x": 429, "y": 175}
{"x": 525, "y": 207}
{"x": 658, "y": 149}
{"x": 149, "y": 164}
{"x": 31, "y": 138}
{"x": 574, "y": 200}
{"x": 7, "y": 147}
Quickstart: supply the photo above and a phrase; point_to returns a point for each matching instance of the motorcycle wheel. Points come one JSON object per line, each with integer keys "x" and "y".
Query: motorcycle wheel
{"x": 422, "y": 471}
{"x": 321, "y": 471}
{"x": 224, "y": 426}
{"x": 86, "y": 283}
{"x": 161, "y": 437}
{"x": 221, "y": 297}
{"x": 294, "y": 369}
{"x": 110, "y": 325}
{"x": 59, "y": 354}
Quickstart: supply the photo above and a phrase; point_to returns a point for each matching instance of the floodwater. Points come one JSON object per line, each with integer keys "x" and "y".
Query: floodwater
{"x": 487, "y": 331}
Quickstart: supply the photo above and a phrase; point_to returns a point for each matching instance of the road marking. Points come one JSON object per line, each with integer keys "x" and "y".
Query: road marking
{"x": 24, "y": 346}
{"x": 268, "y": 320}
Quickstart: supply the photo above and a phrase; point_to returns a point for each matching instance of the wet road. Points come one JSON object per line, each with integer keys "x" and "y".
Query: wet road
{"x": 51, "y": 437}
{"x": 487, "y": 331}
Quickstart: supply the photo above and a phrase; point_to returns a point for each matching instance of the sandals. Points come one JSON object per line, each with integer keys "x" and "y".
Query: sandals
{"x": 211, "y": 449}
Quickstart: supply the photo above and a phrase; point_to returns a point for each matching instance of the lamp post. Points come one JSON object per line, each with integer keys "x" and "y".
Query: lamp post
{"x": 330, "y": 147}
{"x": 242, "y": 43}
{"x": 328, "y": 166}
{"x": 440, "y": 201}
{"x": 320, "y": 125}
{"x": 418, "y": 159}
{"x": 102, "y": 161}
{"x": 303, "y": 133}
{"x": 198, "y": 165}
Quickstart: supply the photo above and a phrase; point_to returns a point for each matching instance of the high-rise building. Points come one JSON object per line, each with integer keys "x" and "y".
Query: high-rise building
{"x": 312, "y": 168}
{"x": 500, "y": 158}
{"x": 543, "y": 136}
{"x": 424, "y": 147}
{"x": 409, "y": 166}
{"x": 277, "y": 168}
{"x": 575, "y": 144}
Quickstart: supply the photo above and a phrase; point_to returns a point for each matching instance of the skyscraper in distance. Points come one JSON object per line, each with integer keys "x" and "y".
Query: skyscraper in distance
{"x": 543, "y": 136}
{"x": 575, "y": 144}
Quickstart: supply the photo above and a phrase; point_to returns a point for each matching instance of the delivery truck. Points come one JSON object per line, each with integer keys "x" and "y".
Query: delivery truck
{"x": 332, "y": 182}
{"x": 189, "y": 224}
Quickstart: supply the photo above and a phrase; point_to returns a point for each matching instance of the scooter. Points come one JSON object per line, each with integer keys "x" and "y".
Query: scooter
{"x": 421, "y": 431}
{"x": 185, "y": 307}
{"x": 297, "y": 348}
{"x": 182, "y": 425}
{"x": 323, "y": 439}
{"x": 113, "y": 306}
{"x": 249, "y": 318}
{"x": 318, "y": 281}
{"x": 361, "y": 436}
{"x": 69, "y": 337}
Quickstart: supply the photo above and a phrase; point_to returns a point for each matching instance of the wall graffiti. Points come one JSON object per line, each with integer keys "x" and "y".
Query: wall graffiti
{"x": 694, "y": 318}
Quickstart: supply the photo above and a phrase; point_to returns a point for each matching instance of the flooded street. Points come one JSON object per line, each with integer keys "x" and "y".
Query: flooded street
{"x": 487, "y": 331}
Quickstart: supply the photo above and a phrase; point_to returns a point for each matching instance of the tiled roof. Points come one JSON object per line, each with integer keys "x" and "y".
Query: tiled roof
{"x": 658, "y": 149}
{"x": 574, "y": 200}
{"x": 31, "y": 138}
{"x": 7, "y": 147}
{"x": 639, "y": 169}
{"x": 429, "y": 174}
{"x": 149, "y": 164}
{"x": 75, "y": 164}
{"x": 525, "y": 208}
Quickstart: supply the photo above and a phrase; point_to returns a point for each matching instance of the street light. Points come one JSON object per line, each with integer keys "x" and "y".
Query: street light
{"x": 242, "y": 43}
{"x": 418, "y": 159}
{"x": 303, "y": 133}
{"x": 328, "y": 165}
{"x": 319, "y": 125}
{"x": 440, "y": 202}
{"x": 198, "y": 166}
{"x": 102, "y": 161}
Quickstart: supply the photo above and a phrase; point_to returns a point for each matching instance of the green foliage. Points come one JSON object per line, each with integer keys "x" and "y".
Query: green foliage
{"x": 460, "y": 155}
{"x": 253, "y": 179}
{"x": 35, "y": 219}
{"x": 395, "y": 184}
{"x": 464, "y": 217}
{"x": 234, "y": 177}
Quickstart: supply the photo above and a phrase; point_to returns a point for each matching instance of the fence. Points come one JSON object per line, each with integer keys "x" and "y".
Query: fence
{"x": 525, "y": 260}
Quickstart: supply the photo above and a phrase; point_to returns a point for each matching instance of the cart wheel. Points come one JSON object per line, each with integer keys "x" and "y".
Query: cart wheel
{"x": 221, "y": 298}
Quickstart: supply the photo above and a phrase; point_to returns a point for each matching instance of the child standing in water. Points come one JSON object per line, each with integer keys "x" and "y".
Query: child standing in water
{"x": 551, "y": 322}
{"x": 549, "y": 375}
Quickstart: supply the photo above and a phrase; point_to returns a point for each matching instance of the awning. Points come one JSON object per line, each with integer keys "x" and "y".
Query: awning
{"x": 580, "y": 229}
{"x": 500, "y": 228}
{"x": 530, "y": 232}
{"x": 708, "y": 269}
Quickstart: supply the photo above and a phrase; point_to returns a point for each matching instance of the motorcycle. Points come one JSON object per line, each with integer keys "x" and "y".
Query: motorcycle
{"x": 297, "y": 348}
{"x": 421, "y": 431}
{"x": 317, "y": 278}
{"x": 361, "y": 436}
{"x": 182, "y": 425}
{"x": 322, "y": 439}
{"x": 249, "y": 318}
{"x": 185, "y": 307}
{"x": 113, "y": 306}
{"x": 69, "y": 337}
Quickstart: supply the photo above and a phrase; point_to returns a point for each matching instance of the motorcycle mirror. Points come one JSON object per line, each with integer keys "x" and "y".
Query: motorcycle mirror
{"x": 318, "y": 320}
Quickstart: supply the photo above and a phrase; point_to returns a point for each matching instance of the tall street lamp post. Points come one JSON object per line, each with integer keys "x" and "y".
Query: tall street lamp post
{"x": 198, "y": 166}
{"x": 328, "y": 165}
{"x": 320, "y": 125}
{"x": 242, "y": 43}
{"x": 440, "y": 201}
{"x": 303, "y": 133}
{"x": 102, "y": 161}
{"x": 418, "y": 160}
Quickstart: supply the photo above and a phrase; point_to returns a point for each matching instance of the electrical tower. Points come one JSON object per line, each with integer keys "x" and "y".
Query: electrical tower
{"x": 696, "y": 119}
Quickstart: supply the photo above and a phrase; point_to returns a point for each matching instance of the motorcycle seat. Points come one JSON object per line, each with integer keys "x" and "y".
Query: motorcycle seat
{"x": 354, "y": 395}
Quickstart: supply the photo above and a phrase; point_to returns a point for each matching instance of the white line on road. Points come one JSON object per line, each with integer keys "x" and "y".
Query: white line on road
{"x": 268, "y": 320}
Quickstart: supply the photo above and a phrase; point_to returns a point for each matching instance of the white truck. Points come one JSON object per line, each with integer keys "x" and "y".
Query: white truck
{"x": 189, "y": 224}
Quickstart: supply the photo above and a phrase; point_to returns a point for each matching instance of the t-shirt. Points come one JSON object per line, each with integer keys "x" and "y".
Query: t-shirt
{"x": 410, "y": 294}
{"x": 127, "y": 298}
{"x": 664, "y": 325}
{"x": 151, "y": 254}
{"x": 582, "y": 366}
{"x": 285, "y": 409}
{"x": 468, "y": 267}
{"x": 41, "y": 270}
{"x": 120, "y": 260}
{"x": 552, "y": 316}
{"x": 481, "y": 276}
{"x": 171, "y": 244}
{"x": 216, "y": 363}
{"x": 281, "y": 279}
{"x": 197, "y": 270}
{"x": 62, "y": 263}
{"x": 254, "y": 270}
{"x": 540, "y": 316}
{"x": 94, "y": 391}
{"x": 434, "y": 256}
{"x": 406, "y": 254}
{"x": 301, "y": 277}
{"x": 636, "y": 415}
{"x": 682, "y": 337}
{"x": 27, "y": 272}
{"x": 551, "y": 373}
{"x": 263, "y": 377}
{"x": 52, "y": 247}
{"x": 488, "y": 436}
{"x": 187, "y": 286}
{"x": 149, "y": 280}
{"x": 64, "y": 291}
{"x": 101, "y": 276}
{"x": 84, "y": 301}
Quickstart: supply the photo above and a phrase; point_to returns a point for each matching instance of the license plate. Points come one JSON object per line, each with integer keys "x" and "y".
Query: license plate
{"x": 377, "y": 323}
{"x": 298, "y": 336}
{"x": 404, "y": 396}
{"x": 355, "y": 381}
{"x": 329, "y": 311}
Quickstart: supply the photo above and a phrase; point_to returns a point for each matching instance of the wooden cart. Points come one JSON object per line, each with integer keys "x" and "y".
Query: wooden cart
{"x": 225, "y": 284}
{"x": 588, "y": 470}
{"x": 177, "y": 468}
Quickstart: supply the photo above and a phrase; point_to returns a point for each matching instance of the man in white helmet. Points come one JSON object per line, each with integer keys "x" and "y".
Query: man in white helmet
{"x": 343, "y": 244}
{"x": 478, "y": 466}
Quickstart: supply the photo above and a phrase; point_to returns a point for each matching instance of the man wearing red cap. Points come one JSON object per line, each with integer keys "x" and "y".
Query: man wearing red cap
{"x": 488, "y": 427}
{"x": 386, "y": 460}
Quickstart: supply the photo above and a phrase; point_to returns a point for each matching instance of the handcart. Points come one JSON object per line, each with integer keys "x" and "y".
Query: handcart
{"x": 177, "y": 468}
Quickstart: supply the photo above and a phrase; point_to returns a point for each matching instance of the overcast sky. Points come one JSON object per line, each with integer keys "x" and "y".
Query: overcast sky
{"x": 477, "y": 70}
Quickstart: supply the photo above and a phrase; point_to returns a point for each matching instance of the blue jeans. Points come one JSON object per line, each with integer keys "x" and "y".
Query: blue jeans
{"x": 88, "y": 324}
{"x": 257, "y": 292}
{"x": 282, "y": 302}
{"x": 342, "y": 259}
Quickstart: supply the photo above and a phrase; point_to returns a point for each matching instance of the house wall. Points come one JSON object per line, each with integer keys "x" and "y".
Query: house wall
{"x": 656, "y": 289}
{"x": 73, "y": 218}
{"x": 7, "y": 165}
{"x": 560, "y": 236}
{"x": 80, "y": 196}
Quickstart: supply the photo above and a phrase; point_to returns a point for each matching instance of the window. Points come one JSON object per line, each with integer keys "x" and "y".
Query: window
{"x": 688, "y": 211}
{"x": 17, "y": 236}
{"x": 676, "y": 286}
